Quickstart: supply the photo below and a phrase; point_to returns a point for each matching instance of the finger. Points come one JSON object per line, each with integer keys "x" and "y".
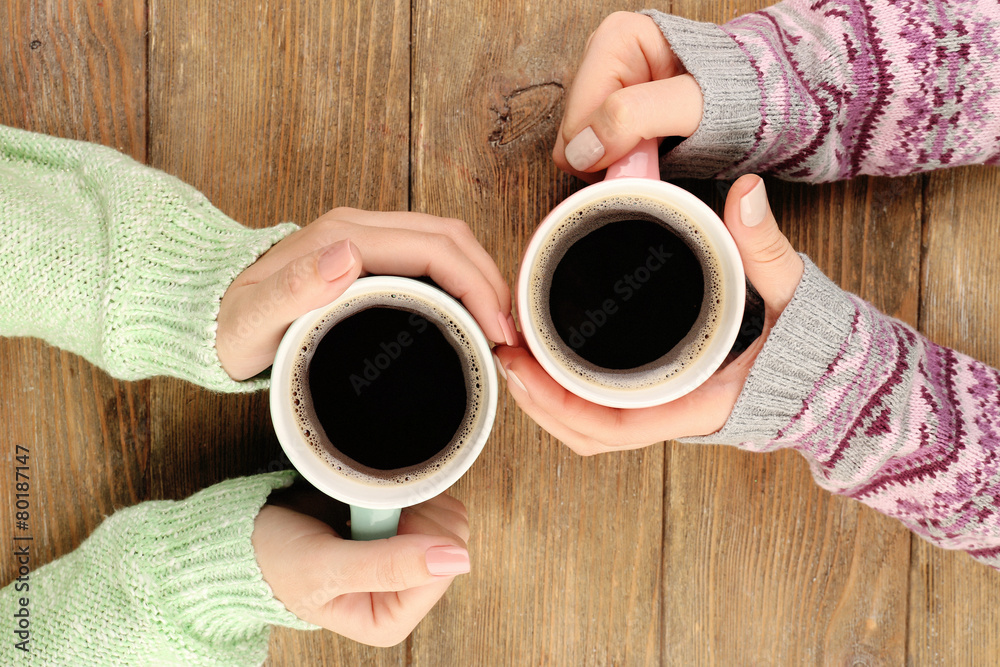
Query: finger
{"x": 474, "y": 278}
{"x": 449, "y": 517}
{"x": 435, "y": 523}
{"x": 441, "y": 515}
{"x": 391, "y": 565}
{"x": 391, "y": 585}
{"x": 700, "y": 412}
{"x": 579, "y": 442}
{"x": 457, "y": 230}
{"x": 663, "y": 108}
{"x": 770, "y": 262}
{"x": 382, "y": 619}
{"x": 443, "y": 501}
{"x": 251, "y": 326}
{"x": 626, "y": 49}
{"x": 405, "y": 252}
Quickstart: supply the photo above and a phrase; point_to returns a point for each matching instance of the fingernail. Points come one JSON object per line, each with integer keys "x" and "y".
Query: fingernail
{"x": 513, "y": 329}
{"x": 336, "y": 261}
{"x": 500, "y": 369}
{"x": 516, "y": 381}
{"x": 753, "y": 206}
{"x": 508, "y": 333}
{"x": 447, "y": 561}
{"x": 584, "y": 150}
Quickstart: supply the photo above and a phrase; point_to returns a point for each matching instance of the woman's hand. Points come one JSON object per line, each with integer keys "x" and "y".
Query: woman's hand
{"x": 629, "y": 86}
{"x": 774, "y": 269}
{"x": 373, "y": 592}
{"x": 316, "y": 264}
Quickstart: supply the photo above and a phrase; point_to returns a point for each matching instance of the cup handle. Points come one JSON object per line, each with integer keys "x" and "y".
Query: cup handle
{"x": 642, "y": 162}
{"x": 369, "y": 524}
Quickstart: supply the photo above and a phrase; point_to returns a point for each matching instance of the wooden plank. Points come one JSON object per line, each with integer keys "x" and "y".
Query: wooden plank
{"x": 781, "y": 572}
{"x": 566, "y": 550}
{"x": 953, "y": 613}
{"x": 77, "y": 71}
{"x": 276, "y": 114}
{"x": 762, "y": 566}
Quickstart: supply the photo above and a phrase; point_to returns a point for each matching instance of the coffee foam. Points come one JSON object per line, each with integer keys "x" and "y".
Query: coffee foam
{"x": 310, "y": 428}
{"x": 589, "y": 218}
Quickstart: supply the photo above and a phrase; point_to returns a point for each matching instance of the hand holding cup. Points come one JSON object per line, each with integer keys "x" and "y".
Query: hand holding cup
{"x": 372, "y": 592}
{"x": 316, "y": 264}
{"x": 630, "y": 86}
{"x": 772, "y": 267}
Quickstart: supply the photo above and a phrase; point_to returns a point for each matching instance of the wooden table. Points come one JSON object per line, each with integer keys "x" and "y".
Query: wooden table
{"x": 673, "y": 554}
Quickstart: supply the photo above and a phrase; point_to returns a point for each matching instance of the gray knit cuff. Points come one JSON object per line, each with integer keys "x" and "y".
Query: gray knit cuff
{"x": 804, "y": 341}
{"x": 731, "y": 118}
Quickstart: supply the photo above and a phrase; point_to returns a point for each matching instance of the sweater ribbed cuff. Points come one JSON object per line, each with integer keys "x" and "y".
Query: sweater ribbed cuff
{"x": 729, "y": 84}
{"x": 204, "y": 564}
{"x": 162, "y": 582}
{"x": 165, "y": 322}
{"x": 799, "y": 349}
{"x": 116, "y": 261}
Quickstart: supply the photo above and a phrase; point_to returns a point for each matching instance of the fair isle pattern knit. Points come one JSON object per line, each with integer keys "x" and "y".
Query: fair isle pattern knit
{"x": 120, "y": 263}
{"x": 883, "y": 416}
{"x": 816, "y": 90}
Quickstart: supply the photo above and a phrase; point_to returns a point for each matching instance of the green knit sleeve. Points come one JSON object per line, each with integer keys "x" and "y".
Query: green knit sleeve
{"x": 163, "y": 582}
{"x": 115, "y": 261}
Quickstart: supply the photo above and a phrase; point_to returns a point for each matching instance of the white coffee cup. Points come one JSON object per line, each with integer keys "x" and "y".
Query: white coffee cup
{"x": 635, "y": 176}
{"x": 375, "y": 507}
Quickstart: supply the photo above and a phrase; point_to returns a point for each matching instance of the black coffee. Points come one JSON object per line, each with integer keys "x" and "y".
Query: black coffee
{"x": 387, "y": 388}
{"x": 626, "y": 294}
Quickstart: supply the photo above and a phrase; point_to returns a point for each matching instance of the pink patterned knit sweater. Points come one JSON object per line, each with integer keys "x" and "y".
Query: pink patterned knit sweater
{"x": 820, "y": 91}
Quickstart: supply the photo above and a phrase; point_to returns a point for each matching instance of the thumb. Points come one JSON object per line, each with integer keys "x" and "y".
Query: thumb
{"x": 771, "y": 264}
{"x": 251, "y": 326}
{"x": 396, "y": 564}
{"x": 307, "y": 283}
{"x": 661, "y": 108}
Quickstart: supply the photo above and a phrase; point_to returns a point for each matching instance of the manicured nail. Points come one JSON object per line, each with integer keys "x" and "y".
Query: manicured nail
{"x": 336, "y": 261}
{"x": 447, "y": 561}
{"x": 500, "y": 370}
{"x": 584, "y": 150}
{"x": 505, "y": 326}
{"x": 753, "y": 206}
{"x": 516, "y": 381}
{"x": 513, "y": 329}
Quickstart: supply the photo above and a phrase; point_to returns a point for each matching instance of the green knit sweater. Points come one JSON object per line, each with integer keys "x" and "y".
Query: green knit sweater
{"x": 126, "y": 266}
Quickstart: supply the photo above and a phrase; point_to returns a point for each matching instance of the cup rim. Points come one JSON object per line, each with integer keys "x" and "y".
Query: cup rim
{"x": 734, "y": 283}
{"x": 342, "y": 487}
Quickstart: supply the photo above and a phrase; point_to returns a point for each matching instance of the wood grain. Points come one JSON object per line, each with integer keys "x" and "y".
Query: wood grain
{"x": 79, "y": 72}
{"x": 674, "y": 554}
{"x": 76, "y": 70}
{"x": 567, "y": 550}
{"x": 276, "y": 114}
{"x": 953, "y": 616}
{"x": 761, "y": 565}
{"x": 779, "y": 571}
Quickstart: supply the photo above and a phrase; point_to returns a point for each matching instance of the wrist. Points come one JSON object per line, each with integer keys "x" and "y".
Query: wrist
{"x": 202, "y": 551}
{"x": 798, "y": 352}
